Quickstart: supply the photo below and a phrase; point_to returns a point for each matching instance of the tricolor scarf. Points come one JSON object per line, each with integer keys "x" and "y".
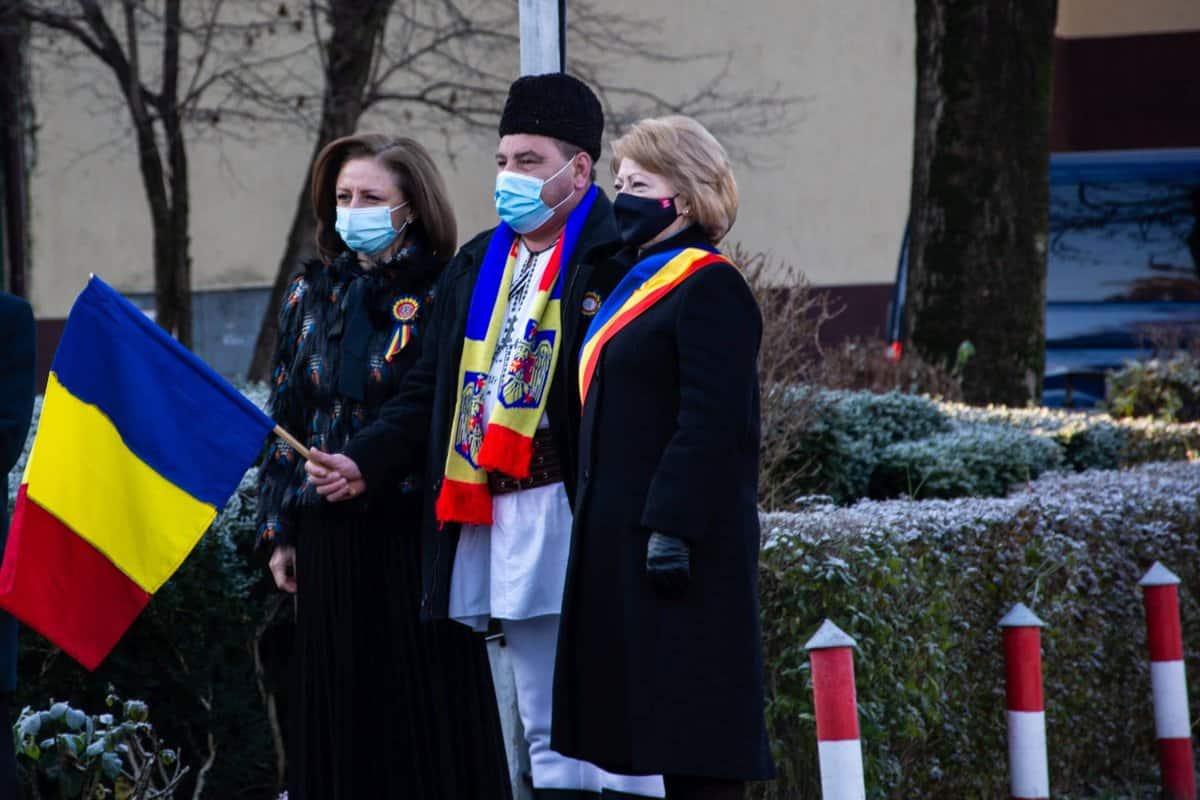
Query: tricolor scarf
{"x": 650, "y": 280}
{"x": 505, "y": 442}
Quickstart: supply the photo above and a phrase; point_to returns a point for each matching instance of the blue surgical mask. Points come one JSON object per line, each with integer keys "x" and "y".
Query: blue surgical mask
{"x": 519, "y": 200}
{"x": 368, "y": 230}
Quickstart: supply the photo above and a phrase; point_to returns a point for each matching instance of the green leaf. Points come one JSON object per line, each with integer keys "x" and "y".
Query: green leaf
{"x": 136, "y": 710}
{"x": 29, "y": 726}
{"x": 110, "y": 763}
{"x": 75, "y": 719}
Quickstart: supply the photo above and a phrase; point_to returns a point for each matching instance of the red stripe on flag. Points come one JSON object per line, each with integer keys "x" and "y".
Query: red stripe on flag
{"x": 1023, "y": 669}
{"x": 1178, "y": 775}
{"x": 1163, "y": 632}
{"x": 834, "y": 694}
{"x": 62, "y": 587}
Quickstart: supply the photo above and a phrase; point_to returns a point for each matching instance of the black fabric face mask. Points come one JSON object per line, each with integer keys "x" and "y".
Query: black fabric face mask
{"x": 640, "y": 219}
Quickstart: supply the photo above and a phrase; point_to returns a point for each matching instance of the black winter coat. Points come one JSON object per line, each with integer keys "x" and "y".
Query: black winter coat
{"x": 308, "y": 395}
{"x": 668, "y": 442}
{"x": 16, "y": 407}
{"x": 413, "y": 429}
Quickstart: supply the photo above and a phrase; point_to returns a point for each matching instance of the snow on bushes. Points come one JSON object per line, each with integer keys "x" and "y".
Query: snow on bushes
{"x": 890, "y": 445}
{"x": 921, "y": 586}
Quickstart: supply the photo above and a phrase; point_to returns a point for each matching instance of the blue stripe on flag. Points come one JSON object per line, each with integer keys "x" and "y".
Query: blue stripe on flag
{"x": 171, "y": 409}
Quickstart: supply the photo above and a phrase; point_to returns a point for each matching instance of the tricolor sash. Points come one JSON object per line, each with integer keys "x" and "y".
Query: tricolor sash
{"x": 650, "y": 280}
{"x": 505, "y": 442}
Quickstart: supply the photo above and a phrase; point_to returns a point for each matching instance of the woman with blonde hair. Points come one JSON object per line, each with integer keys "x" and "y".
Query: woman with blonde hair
{"x": 659, "y": 659}
{"x": 380, "y": 704}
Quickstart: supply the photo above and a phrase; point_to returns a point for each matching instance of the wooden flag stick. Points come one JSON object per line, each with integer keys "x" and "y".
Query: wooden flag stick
{"x": 293, "y": 441}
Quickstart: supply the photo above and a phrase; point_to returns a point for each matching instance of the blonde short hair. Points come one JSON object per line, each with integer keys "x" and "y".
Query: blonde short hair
{"x": 682, "y": 150}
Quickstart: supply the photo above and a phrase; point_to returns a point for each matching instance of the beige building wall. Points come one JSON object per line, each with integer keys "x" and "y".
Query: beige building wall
{"x": 828, "y": 195}
{"x": 1080, "y": 18}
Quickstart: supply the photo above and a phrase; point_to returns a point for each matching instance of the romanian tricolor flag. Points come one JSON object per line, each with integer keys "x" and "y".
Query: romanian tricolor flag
{"x": 139, "y": 445}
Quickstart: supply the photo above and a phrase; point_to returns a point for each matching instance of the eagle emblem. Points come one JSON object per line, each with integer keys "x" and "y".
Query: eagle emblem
{"x": 470, "y": 417}
{"x": 528, "y": 372}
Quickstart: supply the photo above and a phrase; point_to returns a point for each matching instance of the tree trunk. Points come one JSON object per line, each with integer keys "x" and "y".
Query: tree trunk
{"x": 977, "y": 257}
{"x": 178, "y": 259}
{"x": 178, "y": 289}
{"x": 15, "y": 116}
{"x": 358, "y": 27}
{"x": 299, "y": 247}
{"x": 154, "y": 182}
{"x": 164, "y": 186}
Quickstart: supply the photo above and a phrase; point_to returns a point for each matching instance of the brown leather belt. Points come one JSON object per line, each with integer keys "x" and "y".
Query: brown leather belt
{"x": 544, "y": 469}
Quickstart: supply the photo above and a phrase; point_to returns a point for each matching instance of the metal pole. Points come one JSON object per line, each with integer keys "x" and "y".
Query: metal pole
{"x": 543, "y": 36}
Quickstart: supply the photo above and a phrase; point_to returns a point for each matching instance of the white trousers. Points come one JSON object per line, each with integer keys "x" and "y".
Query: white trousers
{"x": 531, "y": 646}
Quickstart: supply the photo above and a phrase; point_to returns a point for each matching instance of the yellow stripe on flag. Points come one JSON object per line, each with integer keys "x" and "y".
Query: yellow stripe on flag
{"x": 81, "y": 472}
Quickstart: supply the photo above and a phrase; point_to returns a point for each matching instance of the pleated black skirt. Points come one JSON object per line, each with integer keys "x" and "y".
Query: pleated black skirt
{"x": 384, "y": 705}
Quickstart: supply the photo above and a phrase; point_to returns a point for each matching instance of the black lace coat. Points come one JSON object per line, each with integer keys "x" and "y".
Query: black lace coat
{"x": 332, "y": 373}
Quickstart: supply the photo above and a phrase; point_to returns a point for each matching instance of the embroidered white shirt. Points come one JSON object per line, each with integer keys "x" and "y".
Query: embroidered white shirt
{"x": 516, "y": 567}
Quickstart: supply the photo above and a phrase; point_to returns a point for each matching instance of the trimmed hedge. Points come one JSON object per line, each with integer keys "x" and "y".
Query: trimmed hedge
{"x": 1093, "y": 440}
{"x": 893, "y": 445}
{"x": 981, "y": 460}
{"x": 921, "y": 586}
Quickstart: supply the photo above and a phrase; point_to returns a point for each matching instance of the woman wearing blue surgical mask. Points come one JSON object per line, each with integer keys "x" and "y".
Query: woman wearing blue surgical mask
{"x": 349, "y": 330}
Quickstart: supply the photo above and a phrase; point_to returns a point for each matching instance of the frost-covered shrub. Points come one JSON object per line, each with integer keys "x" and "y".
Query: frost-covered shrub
{"x": 1163, "y": 388}
{"x": 1092, "y": 440}
{"x": 849, "y": 430}
{"x": 883, "y": 419}
{"x": 69, "y": 754}
{"x": 979, "y": 461}
{"x": 921, "y": 586}
{"x": 860, "y": 444}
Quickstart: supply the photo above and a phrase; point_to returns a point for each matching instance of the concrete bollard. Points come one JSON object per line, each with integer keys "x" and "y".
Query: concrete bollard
{"x": 1172, "y": 723}
{"x": 836, "y": 704}
{"x": 1029, "y": 774}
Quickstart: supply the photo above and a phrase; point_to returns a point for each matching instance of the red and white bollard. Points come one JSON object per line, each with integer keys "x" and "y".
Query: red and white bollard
{"x": 1172, "y": 724}
{"x": 838, "y": 743}
{"x": 1029, "y": 774}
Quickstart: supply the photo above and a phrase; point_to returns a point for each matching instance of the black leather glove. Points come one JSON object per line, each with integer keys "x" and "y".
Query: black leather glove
{"x": 668, "y": 563}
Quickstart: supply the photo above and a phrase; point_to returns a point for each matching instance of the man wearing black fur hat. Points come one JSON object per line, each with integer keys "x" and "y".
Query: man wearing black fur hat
{"x": 493, "y": 406}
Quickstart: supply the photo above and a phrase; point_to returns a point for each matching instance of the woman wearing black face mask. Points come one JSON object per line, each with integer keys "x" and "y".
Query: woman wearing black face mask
{"x": 659, "y": 658}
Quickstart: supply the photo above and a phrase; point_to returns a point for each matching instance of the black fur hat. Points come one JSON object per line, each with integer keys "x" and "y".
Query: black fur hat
{"x": 555, "y": 105}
